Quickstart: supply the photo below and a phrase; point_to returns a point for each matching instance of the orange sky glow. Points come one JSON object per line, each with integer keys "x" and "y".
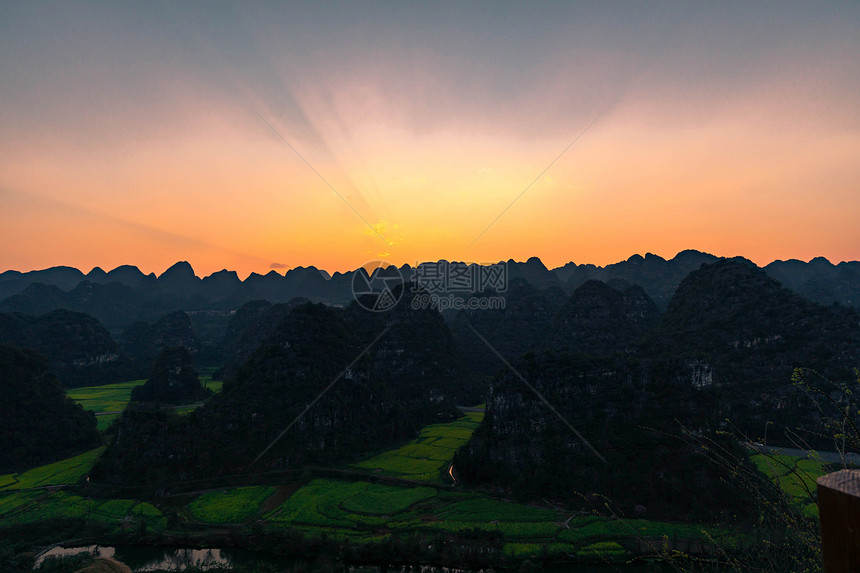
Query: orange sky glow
{"x": 417, "y": 153}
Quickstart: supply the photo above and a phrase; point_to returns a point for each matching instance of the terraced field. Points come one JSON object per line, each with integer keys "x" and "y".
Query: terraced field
{"x": 426, "y": 458}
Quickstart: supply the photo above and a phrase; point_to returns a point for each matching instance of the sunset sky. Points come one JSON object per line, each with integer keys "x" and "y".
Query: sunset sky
{"x": 332, "y": 134}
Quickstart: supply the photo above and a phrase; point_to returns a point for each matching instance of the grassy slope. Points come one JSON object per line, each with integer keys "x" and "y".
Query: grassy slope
{"x": 428, "y": 456}
{"x": 64, "y": 472}
{"x": 796, "y": 477}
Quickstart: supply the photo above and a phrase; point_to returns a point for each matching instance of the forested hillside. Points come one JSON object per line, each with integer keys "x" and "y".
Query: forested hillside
{"x": 38, "y": 424}
{"x": 396, "y": 386}
{"x": 720, "y": 360}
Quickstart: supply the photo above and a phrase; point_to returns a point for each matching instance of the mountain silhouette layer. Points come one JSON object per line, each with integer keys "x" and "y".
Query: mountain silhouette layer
{"x": 126, "y": 295}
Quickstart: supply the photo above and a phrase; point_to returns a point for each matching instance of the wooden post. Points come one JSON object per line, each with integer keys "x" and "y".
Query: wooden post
{"x": 839, "y": 514}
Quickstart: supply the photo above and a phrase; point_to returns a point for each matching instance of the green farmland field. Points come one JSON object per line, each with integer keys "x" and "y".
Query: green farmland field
{"x": 361, "y": 510}
{"x": 795, "y": 477}
{"x": 231, "y": 506}
{"x": 108, "y": 401}
{"x": 427, "y": 457}
{"x": 355, "y": 511}
{"x": 384, "y": 499}
{"x": 103, "y": 399}
{"x": 109, "y": 398}
{"x": 341, "y": 504}
{"x": 484, "y": 509}
{"x": 64, "y": 472}
{"x": 33, "y": 506}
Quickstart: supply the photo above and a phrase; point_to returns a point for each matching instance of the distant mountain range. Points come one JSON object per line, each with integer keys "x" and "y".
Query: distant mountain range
{"x": 126, "y": 295}
{"x": 120, "y": 320}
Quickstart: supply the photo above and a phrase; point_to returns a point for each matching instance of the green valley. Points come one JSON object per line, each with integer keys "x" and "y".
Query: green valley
{"x": 363, "y": 511}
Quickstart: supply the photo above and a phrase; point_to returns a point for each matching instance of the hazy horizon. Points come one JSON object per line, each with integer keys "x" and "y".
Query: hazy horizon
{"x": 282, "y": 270}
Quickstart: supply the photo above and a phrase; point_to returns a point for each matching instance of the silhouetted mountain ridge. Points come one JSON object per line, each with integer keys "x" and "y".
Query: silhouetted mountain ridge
{"x": 125, "y": 295}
